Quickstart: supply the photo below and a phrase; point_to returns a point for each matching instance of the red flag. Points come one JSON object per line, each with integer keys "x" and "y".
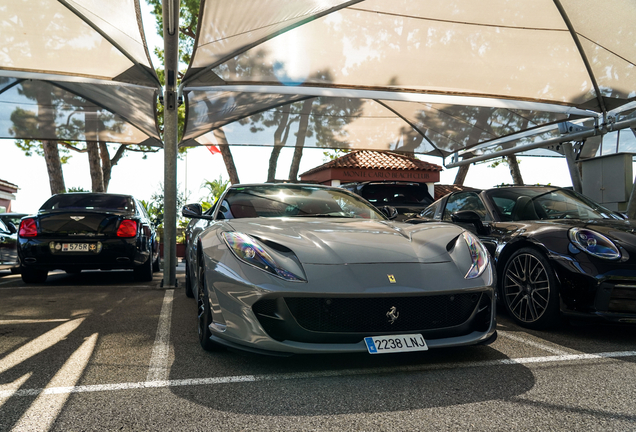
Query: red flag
{"x": 213, "y": 149}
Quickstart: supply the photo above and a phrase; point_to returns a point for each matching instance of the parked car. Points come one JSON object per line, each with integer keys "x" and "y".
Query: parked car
{"x": 555, "y": 251}
{"x": 80, "y": 231}
{"x": 8, "y": 246}
{"x": 289, "y": 268}
{"x": 12, "y": 218}
{"x": 408, "y": 198}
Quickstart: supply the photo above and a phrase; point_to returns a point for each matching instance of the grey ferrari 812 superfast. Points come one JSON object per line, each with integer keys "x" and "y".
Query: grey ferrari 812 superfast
{"x": 290, "y": 269}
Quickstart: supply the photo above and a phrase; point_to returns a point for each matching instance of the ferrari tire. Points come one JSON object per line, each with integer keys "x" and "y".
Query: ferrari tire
{"x": 204, "y": 315}
{"x": 33, "y": 275}
{"x": 530, "y": 290}
{"x": 143, "y": 272}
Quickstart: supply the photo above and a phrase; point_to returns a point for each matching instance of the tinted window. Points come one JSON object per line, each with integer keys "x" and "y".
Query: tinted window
{"x": 431, "y": 210}
{"x": 396, "y": 194}
{"x": 517, "y": 204}
{"x": 89, "y": 202}
{"x": 464, "y": 201}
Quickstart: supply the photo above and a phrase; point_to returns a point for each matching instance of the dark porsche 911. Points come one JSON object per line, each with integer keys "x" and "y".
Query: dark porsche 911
{"x": 555, "y": 250}
{"x": 81, "y": 231}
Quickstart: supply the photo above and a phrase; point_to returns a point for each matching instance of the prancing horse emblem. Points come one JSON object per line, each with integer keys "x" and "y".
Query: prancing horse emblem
{"x": 77, "y": 218}
{"x": 392, "y": 314}
{"x": 391, "y": 278}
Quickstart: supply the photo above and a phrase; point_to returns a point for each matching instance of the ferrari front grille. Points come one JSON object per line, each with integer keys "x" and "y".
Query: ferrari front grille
{"x": 382, "y": 314}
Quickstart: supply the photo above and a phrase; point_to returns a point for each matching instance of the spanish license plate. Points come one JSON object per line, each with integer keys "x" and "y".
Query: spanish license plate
{"x": 393, "y": 344}
{"x": 75, "y": 247}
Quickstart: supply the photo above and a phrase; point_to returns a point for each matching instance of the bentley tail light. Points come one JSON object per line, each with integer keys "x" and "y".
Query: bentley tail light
{"x": 127, "y": 228}
{"x": 28, "y": 228}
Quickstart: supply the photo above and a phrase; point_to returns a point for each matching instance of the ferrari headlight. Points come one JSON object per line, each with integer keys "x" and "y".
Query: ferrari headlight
{"x": 594, "y": 243}
{"x": 478, "y": 255}
{"x": 248, "y": 250}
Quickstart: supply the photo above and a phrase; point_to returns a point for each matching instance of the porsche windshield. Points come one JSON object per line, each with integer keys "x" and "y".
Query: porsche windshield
{"x": 517, "y": 204}
{"x": 294, "y": 201}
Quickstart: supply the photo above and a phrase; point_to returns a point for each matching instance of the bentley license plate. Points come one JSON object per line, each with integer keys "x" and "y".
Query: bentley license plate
{"x": 393, "y": 344}
{"x": 75, "y": 247}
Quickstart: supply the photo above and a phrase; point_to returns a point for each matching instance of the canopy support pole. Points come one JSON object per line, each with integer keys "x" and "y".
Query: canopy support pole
{"x": 170, "y": 137}
{"x": 631, "y": 204}
{"x": 578, "y": 136}
{"x": 573, "y": 166}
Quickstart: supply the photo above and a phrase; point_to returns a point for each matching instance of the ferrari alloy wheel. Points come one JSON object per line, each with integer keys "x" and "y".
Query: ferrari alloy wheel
{"x": 204, "y": 314}
{"x": 529, "y": 290}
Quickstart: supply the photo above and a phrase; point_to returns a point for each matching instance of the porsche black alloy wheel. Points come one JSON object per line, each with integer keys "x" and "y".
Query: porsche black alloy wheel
{"x": 530, "y": 290}
{"x": 204, "y": 314}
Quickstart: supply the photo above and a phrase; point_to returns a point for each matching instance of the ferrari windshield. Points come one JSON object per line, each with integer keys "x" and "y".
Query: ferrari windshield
{"x": 518, "y": 203}
{"x": 294, "y": 201}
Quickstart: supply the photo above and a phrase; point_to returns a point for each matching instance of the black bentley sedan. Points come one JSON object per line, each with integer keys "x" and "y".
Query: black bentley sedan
{"x": 81, "y": 231}
{"x": 555, "y": 251}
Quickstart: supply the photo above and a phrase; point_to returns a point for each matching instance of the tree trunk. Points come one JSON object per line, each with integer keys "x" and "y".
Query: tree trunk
{"x": 46, "y": 124}
{"x": 279, "y": 142}
{"x": 53, "y": 167}
{"x": 227, "y": 155}
{"x": 515, "y": 172}
{"x": 300, "y": 139}
{"x": 481, "y": 124}
{"x": 94, "y": 164}
{"x": 106, "y": 164}
{"x": 461, "y": 175}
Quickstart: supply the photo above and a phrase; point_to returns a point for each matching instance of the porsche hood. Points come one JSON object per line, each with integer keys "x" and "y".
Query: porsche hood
{"x": 355, "y": 241}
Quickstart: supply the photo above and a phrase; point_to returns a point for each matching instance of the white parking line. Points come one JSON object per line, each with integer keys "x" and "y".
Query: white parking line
{"x": 45, "y": 408}
{"x": 39, "y": 344}
{"x": 32, "y": 321}
{"x": 92, "y": 287}
{"x": 310, "y": 375}
{"x": 528, "y": 341}
{"x": 159, "y": 359}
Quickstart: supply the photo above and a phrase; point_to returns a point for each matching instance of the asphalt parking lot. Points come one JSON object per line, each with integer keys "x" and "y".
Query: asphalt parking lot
{"x": 97, "y": 351}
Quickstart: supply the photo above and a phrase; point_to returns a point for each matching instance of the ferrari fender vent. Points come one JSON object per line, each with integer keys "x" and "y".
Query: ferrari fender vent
{"x": 382, "y": 314}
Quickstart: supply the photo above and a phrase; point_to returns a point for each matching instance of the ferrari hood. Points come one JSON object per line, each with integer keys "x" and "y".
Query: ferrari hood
{"x": 352, "y": 241}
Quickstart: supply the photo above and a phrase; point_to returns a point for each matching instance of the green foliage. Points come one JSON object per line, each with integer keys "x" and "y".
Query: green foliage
{"x": 34, "y": 147}
{"x": 155, "y": 210}
{"x": 333, "y": 154}
{"x": 76, "y": 189}
{"x": 502, "y": 161}
{"x": 215, "y": 188}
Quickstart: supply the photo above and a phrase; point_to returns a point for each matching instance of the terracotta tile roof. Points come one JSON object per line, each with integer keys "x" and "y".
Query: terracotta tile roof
{"x": 369, "y": 159}
{"x": 8, "y": 184}
{"x": 441, "y": 190}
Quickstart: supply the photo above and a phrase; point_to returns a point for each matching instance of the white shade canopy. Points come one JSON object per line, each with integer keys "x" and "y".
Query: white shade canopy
{"x": 63, "y": 60}
{"x": 430, "y": 76}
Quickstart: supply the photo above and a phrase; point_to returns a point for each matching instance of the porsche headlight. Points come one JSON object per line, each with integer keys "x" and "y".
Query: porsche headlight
{"x": 594, "y": 243}
{"x": 478, "y": 255}
{"x": 248, "y": 250}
